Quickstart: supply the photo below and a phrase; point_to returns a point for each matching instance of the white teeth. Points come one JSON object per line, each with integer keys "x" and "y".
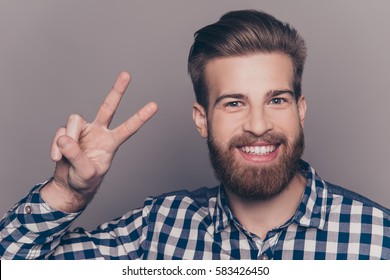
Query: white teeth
{"x": 258, "y": 150}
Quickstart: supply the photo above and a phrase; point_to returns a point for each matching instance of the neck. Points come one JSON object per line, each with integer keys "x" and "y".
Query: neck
{"x": 261, "y": 216}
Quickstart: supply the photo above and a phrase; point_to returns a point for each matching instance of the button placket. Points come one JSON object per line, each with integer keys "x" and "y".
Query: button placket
{"x": 267, "y": 251}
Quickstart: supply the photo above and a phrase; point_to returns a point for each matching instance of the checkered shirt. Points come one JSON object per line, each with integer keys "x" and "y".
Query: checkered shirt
{"x": 330, "y": 223}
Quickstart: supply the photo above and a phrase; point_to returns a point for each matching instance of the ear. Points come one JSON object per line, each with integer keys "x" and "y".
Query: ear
{"x": 200, "y": 119}
{"x": 302, "y": 109}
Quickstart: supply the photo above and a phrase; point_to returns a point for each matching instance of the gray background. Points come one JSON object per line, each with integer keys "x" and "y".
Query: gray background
{"x": 61, "y": 57}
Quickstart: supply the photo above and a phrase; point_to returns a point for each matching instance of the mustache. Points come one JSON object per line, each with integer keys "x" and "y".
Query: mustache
{"x": 248, "y": 139}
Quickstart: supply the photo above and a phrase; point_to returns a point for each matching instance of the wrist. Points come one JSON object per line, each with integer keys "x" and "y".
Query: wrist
{"x": 63, "y": 198}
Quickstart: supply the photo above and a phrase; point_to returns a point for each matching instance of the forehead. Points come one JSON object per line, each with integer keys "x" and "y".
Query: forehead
{"x": 251, "y": 73}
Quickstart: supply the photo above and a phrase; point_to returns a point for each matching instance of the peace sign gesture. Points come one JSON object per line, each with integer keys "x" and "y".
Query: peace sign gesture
{"x": 84, "y": 151}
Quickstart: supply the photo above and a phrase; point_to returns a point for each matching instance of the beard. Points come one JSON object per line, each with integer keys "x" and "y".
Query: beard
{"x": 252, "y": 182}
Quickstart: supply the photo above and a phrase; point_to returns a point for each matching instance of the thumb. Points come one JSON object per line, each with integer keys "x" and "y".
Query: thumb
{"x": 71, "y": 150}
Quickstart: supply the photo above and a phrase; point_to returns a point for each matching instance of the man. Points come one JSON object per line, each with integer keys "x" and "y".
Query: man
{"x": 246, "y": 70}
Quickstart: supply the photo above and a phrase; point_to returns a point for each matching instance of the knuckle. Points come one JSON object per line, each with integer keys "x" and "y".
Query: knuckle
{"x": 141, "y": 117}
{"x": 129, "y": 127}
{"x": 106, "y": 107}
{"x": 61, "y": 131}
{"x": 75, "y": 118}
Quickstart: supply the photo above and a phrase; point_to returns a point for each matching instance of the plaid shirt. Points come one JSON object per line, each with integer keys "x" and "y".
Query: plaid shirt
{"x": 330, "y": 223}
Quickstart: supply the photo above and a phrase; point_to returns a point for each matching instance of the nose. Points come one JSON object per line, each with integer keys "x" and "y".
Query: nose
{"x": 257, "y": 122}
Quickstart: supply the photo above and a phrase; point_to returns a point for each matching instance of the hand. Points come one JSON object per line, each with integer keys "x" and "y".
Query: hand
{"x": 83, "y": 151}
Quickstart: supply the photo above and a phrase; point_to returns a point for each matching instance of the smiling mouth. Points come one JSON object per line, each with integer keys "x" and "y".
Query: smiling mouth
{"x": 259, "y": 150}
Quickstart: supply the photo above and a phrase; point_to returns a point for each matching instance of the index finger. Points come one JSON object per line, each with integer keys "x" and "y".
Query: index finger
{"x": 108, "y": 108}
{"x": 134, "y": 123}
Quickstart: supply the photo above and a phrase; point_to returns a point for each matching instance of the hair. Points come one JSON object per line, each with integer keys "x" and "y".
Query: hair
{"x": 239, "y": 33}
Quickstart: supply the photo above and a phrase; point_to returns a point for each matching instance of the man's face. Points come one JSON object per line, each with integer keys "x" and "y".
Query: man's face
{"x": 253, "y": 124}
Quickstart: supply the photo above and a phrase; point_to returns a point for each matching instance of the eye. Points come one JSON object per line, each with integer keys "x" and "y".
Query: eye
{"x": 233, "y": 104}
{"x": 277, "y": 101}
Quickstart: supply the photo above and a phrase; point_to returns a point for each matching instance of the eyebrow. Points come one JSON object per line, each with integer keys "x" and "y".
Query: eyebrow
{"x": 240, "y": 96}
{"x": 230, "y": 95}
{"x": 277, "y": 92}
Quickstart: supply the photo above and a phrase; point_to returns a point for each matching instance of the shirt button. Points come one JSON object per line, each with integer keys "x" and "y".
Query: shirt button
{"x": 28, "y": 209}
{"x": 264, "y": 257}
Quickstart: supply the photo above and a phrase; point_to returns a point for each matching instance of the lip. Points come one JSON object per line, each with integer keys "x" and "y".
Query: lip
{"x": 266, "y": 158}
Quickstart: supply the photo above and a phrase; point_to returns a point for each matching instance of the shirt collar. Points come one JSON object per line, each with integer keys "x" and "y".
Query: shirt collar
{"x": 222, "y": 213}
{"x": 311, "y": 211}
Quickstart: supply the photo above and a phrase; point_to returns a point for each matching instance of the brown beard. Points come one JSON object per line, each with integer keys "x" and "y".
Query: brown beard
{"x": 251, "y": 182}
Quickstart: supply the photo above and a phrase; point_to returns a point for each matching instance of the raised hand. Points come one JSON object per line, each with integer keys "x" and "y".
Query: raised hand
{"x": 83, "y": 151}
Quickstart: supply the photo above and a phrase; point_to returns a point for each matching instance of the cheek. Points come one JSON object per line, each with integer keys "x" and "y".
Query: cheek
{"x": 223, "y": 128}
{"x": 288, "y": 123}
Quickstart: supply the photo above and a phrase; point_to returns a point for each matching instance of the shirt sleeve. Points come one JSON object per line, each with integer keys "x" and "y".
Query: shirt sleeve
{"x": 33, "y": 230}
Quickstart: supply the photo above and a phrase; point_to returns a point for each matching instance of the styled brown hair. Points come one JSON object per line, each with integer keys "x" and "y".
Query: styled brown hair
{"x": 240, "y": 33}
